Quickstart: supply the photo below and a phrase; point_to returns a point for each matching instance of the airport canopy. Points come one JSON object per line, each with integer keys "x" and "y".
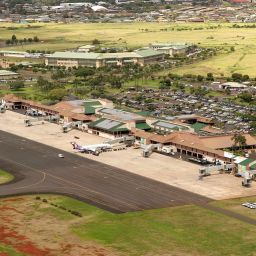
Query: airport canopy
{"x": 90, "y": 106}
{"x": 198, "y": 126}
{"x": 108, "y": 125}
{"x": 143, "y": 126}
{"x": 169, "y": 126}
{"x": 247, "y": 161}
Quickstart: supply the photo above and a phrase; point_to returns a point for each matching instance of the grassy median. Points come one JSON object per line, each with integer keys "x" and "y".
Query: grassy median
{"x": 235, "y": 205}
{"x": 186, "y": 230}
{"x": 53, "y": 221}
{"x": 5, "y": 177}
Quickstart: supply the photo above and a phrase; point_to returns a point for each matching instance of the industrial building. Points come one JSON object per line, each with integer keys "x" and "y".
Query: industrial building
{"x": 233, "y": 86}
{"x": 6, "y": 75}
{"x": 13, "y": 54}
{"x": 86, "y": 48}
{"x": 171, "y": 49}
{"x": 19, "y": 54}
{"x": 141, "y": 57}
{"x": 163, "y": 127}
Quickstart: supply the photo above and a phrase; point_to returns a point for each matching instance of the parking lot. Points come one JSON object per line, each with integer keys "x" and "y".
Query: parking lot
{"x": 162, "y": 168}
{"x": 231, "y": 116}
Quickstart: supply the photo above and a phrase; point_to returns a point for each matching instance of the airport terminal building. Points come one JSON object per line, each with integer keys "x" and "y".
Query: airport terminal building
{"x": 99, "y": 117}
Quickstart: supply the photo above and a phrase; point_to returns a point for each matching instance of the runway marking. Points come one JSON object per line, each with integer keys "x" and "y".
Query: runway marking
{"x": 116, "y": 175}
{"x": 122, "y": 175}
{"x": 75, "y": 184}
{"x": 37, "y": 183}
{"x": 133, "y": 181}
{"x": 89, "y": 190}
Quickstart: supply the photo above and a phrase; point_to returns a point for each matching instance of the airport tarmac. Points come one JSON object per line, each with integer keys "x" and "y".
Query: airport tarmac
{"x": 161, "y": 168}
{"x": 38, "y": 169}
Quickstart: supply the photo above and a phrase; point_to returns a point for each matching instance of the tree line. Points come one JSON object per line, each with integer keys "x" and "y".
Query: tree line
{"x": 14, "y": 40}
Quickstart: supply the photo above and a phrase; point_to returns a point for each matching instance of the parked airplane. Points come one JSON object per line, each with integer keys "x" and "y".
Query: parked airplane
{"x": 95, "y": 149}
{"x": 2, "y": 106}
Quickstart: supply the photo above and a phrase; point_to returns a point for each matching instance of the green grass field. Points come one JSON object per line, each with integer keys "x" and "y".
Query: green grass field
{"x": 236, "y": 206}
{"x": 8, "y": 251}
{"x": 5, "y": 177}
{"x": 185, "y": 230}
{"x": 63, "y": 36}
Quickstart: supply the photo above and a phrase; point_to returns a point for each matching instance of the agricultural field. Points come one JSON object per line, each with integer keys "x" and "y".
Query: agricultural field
{"x": 55, "y": 37}
{"x": 46, "y": 224}
{"x": 243, "y": 61}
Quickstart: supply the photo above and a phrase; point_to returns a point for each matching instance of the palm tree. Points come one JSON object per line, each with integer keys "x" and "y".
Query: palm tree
{"x": 239, "y": 140}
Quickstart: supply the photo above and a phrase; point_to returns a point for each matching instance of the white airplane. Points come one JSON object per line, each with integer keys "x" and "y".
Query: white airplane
{"x": 2, "y": 106}
{"x": 95, "y": 149}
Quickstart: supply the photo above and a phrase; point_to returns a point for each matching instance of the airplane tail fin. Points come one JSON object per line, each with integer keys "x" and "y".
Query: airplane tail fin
{"x": 75, "y": 146}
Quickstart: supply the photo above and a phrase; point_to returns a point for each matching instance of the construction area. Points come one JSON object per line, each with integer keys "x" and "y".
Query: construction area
{"x": 160, "y": 167}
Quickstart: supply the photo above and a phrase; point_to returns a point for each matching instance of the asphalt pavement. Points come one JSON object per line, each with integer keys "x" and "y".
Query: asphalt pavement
{"x": 38, "y": 169}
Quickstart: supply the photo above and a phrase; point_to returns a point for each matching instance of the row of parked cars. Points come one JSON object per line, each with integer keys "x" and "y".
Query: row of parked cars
{"x": 249, "y": 205}
{"x": 178, "y": 103}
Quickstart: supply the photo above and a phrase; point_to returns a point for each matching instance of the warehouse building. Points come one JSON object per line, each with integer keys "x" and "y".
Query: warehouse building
{"x": 86, "y": 48}
{"x": 13, "y": 54}
{"x": 163, "y": 127}
{"x": 233, "y": 86}
{"x": 141, "y": 57}
{"x": 19, "y": 54}
{"x": 171, "y": 49}
{"x": 7, "y": 75}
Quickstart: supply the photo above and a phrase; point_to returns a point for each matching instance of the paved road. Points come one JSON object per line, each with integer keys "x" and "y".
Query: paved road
{"x": 38, "y": 169}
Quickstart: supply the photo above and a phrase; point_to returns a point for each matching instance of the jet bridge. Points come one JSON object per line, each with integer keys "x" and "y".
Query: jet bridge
{"x": 127, "y": 140}
{"x": 34, "y": 112}
{"x": 41, "y": 120}
{"x": 247, "y": 176}
{"x": 208, "y": 170}
{"x": 148, "y": 149}
{"x": 71, "y": 125}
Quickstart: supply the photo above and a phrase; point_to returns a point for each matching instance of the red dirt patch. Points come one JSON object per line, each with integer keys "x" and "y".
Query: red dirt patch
{"x": 6, "y": 208}
{"x": 29, "y": 249}
{"x": 13, "y": 200}
{"x": 17, "y": 231}
{"x": 20, "y": 243}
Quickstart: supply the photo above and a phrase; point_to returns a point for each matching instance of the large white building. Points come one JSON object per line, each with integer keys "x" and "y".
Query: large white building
{"x": 141, "y": 57}
{"x": 171, "y": 49}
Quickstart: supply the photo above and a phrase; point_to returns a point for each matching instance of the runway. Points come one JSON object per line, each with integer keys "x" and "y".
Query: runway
{"x": 38, "y": 169}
